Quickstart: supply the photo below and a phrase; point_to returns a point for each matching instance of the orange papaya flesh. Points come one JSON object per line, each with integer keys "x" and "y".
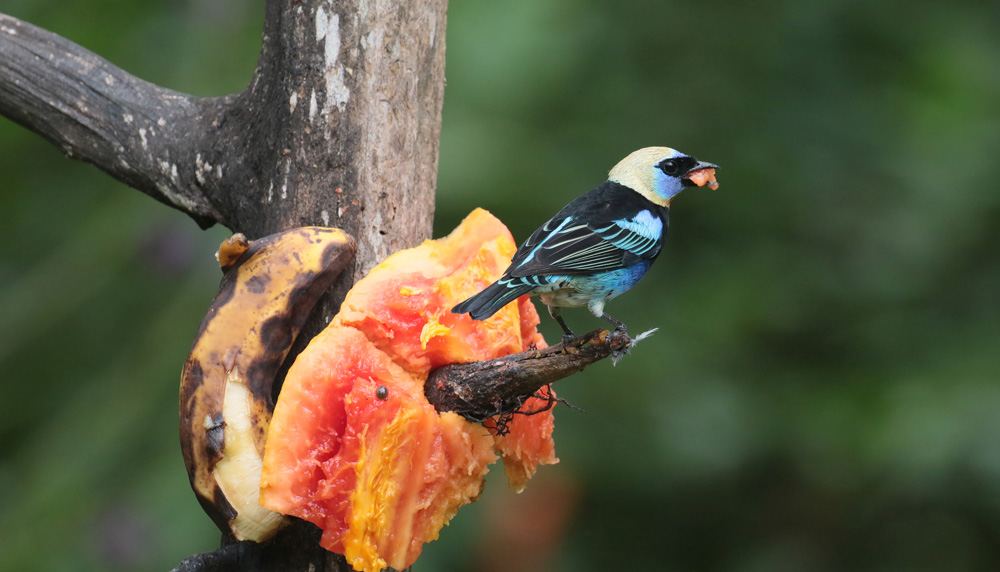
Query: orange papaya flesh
{"x": 526, "y": 441}
{"x": 355, "y": 447}
{"x": 404, "y": 304}
{"x": 530, "y": 336}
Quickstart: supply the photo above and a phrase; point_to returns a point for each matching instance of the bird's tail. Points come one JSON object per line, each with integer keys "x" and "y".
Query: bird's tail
{"x": 492, "y": 298}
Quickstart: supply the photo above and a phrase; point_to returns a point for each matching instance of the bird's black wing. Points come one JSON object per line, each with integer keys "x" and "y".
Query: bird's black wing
{"x": 606, "y": 229}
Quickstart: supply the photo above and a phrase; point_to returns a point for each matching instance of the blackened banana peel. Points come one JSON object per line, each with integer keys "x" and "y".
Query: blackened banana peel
{"x": 269, "y": 286}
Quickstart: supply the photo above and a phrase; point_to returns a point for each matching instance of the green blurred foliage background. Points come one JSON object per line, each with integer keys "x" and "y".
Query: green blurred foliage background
{"x": 822, "y": 394}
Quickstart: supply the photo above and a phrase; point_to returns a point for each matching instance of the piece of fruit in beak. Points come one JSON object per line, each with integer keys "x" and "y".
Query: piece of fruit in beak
{"x": 703, "y": 176}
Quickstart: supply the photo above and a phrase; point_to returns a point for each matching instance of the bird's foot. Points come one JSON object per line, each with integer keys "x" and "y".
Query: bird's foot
{"x": 617, "y": 355}
{"x": 618, "y": 324}
{"x": 567, "y": 338}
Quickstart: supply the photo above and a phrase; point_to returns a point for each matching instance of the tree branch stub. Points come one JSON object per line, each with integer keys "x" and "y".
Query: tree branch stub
{"x": 137, "y": 132}
{"x": 483, "y": 389}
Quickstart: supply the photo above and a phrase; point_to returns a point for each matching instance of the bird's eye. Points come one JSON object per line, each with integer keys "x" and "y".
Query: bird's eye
{"x": 670, "y": 167}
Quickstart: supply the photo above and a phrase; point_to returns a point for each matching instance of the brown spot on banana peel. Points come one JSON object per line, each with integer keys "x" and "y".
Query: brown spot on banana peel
{"x": 257, "y": 284}
{"x": 265, "y": 296}
{"x": 193, "y": 373}
{"x": 276, "y": 333}
{"x": 261, "y": 373}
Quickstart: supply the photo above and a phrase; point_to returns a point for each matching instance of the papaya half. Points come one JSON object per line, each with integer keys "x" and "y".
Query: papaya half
{"x": 355, "y": 447}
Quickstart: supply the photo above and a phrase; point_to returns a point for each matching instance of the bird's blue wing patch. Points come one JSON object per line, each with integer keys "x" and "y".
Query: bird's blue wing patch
{"x": 639, "y": 235}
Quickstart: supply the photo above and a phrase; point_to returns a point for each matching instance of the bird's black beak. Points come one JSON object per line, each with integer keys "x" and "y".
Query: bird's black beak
{"x": 700, "y": 175}
{"x": 701, "y": 165}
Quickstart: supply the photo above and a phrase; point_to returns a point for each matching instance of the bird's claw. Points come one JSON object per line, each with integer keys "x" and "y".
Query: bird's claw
{"x": 618, "y": 354}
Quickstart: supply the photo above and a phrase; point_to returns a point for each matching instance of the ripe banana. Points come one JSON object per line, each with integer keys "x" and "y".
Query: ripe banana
{"x": 268, "y": 288}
